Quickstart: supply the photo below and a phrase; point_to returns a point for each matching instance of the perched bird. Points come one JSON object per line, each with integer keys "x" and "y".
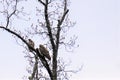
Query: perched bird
{"x": 44, "y": 51}
{"x": 31, "y": 43}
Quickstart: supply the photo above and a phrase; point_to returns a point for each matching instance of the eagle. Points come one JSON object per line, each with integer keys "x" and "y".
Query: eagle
{"x": 44, "y": 52}
{"x": 31, "y": 43}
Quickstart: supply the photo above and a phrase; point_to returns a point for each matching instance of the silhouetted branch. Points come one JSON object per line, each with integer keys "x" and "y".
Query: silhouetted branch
{"x": 34, "y": 69}
{"x": 48, "y": 24}
{"x": 41, "y": 2}
{"x": 14, "y": 33}
{"x": 9, "y": 16}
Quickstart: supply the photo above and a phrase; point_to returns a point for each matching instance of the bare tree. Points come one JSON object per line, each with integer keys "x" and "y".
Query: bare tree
{"x": 52, "y": 24}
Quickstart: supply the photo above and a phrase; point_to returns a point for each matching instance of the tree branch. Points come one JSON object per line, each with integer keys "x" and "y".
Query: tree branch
{"x": 34, "y": 69}
{"x": 9, "y": 16}
{"x": 14, "y": 33}
{"x": 60, "y": 23}
{"x": 48, "y": 25}
{"x": 41, "y": 2}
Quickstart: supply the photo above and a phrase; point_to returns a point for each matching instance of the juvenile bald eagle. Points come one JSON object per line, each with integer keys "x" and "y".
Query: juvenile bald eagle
{"x": 44, "y": 51}
{"x": 31, "y": 43}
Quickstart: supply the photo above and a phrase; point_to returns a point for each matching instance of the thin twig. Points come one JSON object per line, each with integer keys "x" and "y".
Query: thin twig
{"x": 9, "y": 16}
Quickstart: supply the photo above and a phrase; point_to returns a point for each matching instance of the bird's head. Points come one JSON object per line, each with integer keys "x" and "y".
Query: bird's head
{"x": 29, "y": 40}
{"x": 40, "y": 45}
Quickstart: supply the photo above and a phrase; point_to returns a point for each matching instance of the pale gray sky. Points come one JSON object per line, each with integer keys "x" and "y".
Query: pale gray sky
{"x": 98, "y": 29}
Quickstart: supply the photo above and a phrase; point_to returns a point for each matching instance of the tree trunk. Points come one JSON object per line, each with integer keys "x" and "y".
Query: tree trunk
{"x": 54, "y": 65}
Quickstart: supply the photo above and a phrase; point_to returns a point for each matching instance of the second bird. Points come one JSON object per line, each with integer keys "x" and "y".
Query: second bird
{"x": 44, "y": 51}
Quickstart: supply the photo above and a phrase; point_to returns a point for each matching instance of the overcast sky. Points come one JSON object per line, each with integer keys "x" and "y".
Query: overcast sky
{"x": 98, "y": 30}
